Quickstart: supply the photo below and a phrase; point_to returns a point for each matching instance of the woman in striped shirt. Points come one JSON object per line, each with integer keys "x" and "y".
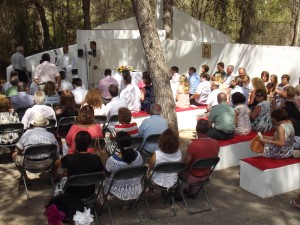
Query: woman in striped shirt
{"x": 124, "y": 115}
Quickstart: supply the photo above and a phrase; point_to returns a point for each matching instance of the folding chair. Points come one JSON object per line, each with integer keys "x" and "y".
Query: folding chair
{"x": 166, "y": 167}
{"x": 37, "y": 159}
{"x": 100, "y": 119}
{"x": 113, "y": 119}
{"x": 83, "y": 180}
{"x": 64, "y": 125}
{"x": 151, "y": 139}
{"x": 136, "y": 143}
{"x": 51, "y": 126}
{"x": 205, "y": 163}
{"x": 10, "y": 133}
{"x": 21, "y": 112}
{"x": 125, "y": 174}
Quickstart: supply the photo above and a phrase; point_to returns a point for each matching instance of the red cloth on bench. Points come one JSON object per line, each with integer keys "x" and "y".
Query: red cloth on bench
{"x": 264, "y": 163}
{"x": 141, "y": 113}
{"x": 243, "y": 138}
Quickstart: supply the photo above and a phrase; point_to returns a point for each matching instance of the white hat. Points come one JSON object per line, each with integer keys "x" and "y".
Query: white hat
{"x": 40, "y": 120}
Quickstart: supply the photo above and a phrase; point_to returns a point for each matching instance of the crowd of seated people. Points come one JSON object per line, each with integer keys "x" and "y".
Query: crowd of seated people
{"x": 235, "y": 105}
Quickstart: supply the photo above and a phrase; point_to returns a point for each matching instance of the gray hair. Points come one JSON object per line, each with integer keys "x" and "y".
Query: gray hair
{"x": 155, "y": 109}
{"x": 39, "y": 97}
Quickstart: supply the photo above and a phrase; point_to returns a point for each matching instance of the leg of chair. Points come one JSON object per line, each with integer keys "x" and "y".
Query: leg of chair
{"x": 147, "y": 206}
{"x": 109, "y": 212}
{"x": 139, "y": 212}
{"x": 25, "y": 184}
{"x": 95, "y": 213}
{"x": 205, "y": 195}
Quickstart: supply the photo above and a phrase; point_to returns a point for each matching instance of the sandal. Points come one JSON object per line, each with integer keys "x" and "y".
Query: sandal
{"x": 294, "y": 203}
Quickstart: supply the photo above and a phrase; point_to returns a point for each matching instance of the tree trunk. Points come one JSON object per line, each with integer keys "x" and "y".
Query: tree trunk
{"x": 293, "y": 37}
{"x": 40, "y": 9}
{"x": 168, "y": 18}
{"x": 86, "y": 5}
{"x": 156, "y": 60}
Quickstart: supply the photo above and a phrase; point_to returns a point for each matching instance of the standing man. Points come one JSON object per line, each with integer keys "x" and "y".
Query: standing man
{"x": 104, "y": 86}
{"x": 194, "y": 80}
{"x": 94, "y": 65}
{"x": 45, "y": 72}
{"x": 18, "y": 63}
{"x": 66, "y": 62}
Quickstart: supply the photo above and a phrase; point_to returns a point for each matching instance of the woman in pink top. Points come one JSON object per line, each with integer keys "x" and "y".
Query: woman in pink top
{"x": 85, "y": 123}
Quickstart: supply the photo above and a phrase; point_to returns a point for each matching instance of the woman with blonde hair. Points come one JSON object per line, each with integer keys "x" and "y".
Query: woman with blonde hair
{"x": 182, "y": 93}
{"x": 257, "y": 83}
{"x": 94, "y": 99}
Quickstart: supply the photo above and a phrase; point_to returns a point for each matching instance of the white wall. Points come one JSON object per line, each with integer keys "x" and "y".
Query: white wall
{"x": 186, "y": 27}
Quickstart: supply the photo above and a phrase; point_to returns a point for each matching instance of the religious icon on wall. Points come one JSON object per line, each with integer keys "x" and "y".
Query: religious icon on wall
{"x": 206, "y": 51}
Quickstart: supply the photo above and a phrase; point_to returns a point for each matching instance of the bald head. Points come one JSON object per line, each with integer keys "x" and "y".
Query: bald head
{"x": 222, "y": 97}
{"x": 155, "y": 109}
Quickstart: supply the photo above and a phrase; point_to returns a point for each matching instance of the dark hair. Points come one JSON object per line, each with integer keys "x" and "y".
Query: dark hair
{"x": 265, "y": 73}
{"x": 279, "y": 115}
{"x": 261, "y": 92}
{"x": 175, "y": 68}
{"x": 123, "y": 140}
{"x": 202, "y": 126}
{"x": 292, "y": 110}
{"x": 14, "y": 73}
{"x": 124, "y": 115}
{"x": 45, "y": 57}
{"x": 67, "y": 99}
{"x": 62, "y": 74}
{"x": 238, "y": 98}
{"x": 82, "y": 141}
{"x": 107, "y": 72}
{"x": 205, "y": 75}
{"x": 126, "y": 76}
{"x": 113, "y": 90}
{"x": 146, "y": 78}
{"x": 14, "y": 81}
{"x": 86, "y": 115}
{"x": 193, "y": 69}
{"x": 286, "y": 76}
{"x": 169, "y": 141}
{"x": 239, "y": 81}
{"x": 77, "y": 82}
{"x": 205, "y": 67}
{"x": 68, "y": 204}
{"x": 221, "y": 64}
{"x": 93, "y": 43}
{"x": 50, "y": 88}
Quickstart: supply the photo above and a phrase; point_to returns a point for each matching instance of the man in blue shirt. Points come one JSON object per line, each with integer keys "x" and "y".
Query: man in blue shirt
{"x": 155, "y": 124}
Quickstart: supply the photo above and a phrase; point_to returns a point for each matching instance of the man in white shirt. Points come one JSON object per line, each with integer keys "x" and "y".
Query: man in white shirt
{"x": 212, "y": 98}
{"x": 45, "y": 72}
{"x": 39, "y": 107}
{"x": 116, "y": 102}
{"x": 131, "y": 93}
{"x": 202, "y": 91}
{"x": 174, "y": 76}
{"x": 66, "y": 62}
{"x": 94, "y": 65}
{"x": 79, "y": 92}
{"x": 229, "y": 76}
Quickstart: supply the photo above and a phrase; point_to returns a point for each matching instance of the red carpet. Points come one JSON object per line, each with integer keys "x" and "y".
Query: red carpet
{"x": 141, "y": 113}
{"x": 263, "y": 163}
{"x": 243, "y": 138}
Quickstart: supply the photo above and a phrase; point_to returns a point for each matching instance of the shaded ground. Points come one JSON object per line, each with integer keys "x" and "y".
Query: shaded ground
{"x": 231, "y": 204}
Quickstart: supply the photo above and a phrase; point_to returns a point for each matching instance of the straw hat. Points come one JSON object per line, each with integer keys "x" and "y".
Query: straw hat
{"x": 40, "y": 120}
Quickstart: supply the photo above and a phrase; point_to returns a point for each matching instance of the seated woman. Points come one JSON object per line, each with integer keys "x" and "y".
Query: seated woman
{"x": 94, "y": 99}
{"x": 124, "y": 116}
{"x": 67, "y": 106}
{"x": 261, "y": 115}
{"x": 264, "y": 76}
{"x": 51, "y": 96}
{"x": 281, "y": 144}
{"x": 257, "y": 83}
{"x": 182, "y": 93}
{"x": 126, "y": 157}
{"x": 67, "y": 209}
{"x": 147, "y": 93}
{"x": 242, "y": 114}
{"x": 168, "y": 152}
{"x": 85, "y": 123}
{"x": 81, "y": 162}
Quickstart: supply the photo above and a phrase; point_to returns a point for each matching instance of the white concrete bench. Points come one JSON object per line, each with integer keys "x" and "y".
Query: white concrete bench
{"x": 266, "y": 177}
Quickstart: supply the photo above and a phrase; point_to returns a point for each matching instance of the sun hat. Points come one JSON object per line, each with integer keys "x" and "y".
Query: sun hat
{"x": 40, "y": 120}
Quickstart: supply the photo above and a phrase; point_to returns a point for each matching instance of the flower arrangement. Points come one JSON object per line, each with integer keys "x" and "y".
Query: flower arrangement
{"x": 122, "y": 68}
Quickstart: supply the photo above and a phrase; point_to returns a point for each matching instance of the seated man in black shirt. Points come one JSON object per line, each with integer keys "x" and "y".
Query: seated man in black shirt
{"x": 81, "y": 162}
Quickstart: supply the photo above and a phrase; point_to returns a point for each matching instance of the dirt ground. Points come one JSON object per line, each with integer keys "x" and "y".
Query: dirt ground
{"x": 231, "y": 204}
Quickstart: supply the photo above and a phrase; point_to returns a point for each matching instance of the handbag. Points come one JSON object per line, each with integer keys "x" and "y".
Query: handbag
{"x": 256, "y": 145}
{"x": 102, "y": 153}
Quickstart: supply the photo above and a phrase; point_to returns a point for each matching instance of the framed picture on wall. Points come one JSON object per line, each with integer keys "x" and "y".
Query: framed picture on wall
{"x": 206, "y": 51}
